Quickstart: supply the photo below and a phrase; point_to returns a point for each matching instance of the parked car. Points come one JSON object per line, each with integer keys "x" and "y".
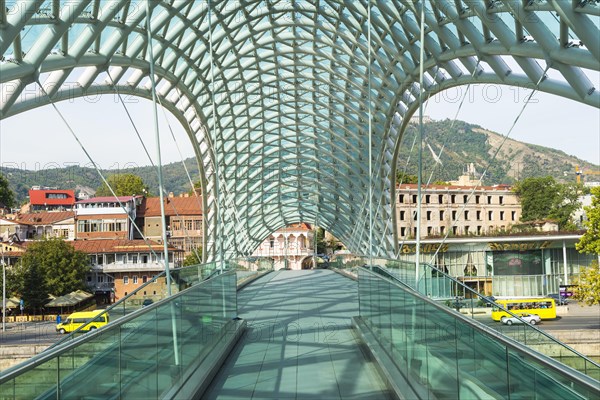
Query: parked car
{"x": 147, "y": 302}
{"x": 530, "y": 318}
{"x": 558, "y": 299}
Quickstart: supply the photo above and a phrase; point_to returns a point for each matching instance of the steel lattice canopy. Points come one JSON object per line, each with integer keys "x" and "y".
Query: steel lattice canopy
{"x": 277, "y": 96}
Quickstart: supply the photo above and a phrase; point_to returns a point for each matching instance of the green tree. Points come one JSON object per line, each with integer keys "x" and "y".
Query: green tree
{"x": 193, "y": 259}
{"x": 590, "y": 241}
{"x": 544, "y": 198}
{"x": 59, "y": 268}
{"x": 7, "y": 197}
{"x": 401, "y": 177}
{"x": 588, "y": 289}
{"x": 197, "y": 188}
{"x": 123, "y": 185}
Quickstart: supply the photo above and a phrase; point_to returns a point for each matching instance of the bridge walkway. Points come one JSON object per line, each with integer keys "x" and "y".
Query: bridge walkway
{"x": 299, "y": 342}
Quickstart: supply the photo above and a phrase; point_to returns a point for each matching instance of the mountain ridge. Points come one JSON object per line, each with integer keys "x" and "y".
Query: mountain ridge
{"x": 462, "y": 143}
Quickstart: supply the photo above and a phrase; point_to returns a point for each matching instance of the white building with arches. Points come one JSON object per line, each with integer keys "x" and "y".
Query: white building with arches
{"x": 291, "y": 247}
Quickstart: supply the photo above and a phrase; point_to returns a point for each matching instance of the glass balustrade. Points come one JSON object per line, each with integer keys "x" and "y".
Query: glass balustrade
{"x": 442, "y": 288}
{"x": 438, "y": 349}
{"x": 137, "y": 356}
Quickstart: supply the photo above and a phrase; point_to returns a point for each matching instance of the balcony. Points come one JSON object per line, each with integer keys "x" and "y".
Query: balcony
{"x": 130, "y": 267}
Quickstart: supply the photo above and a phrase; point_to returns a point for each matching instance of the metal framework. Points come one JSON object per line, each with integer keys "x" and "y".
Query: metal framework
{"x": 282, "y": 114}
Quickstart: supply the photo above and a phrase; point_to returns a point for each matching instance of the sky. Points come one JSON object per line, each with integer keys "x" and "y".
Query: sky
{"x": 39, "y": 139}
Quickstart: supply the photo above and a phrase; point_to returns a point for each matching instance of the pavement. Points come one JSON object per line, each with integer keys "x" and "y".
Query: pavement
{"x": 576, "y": 309}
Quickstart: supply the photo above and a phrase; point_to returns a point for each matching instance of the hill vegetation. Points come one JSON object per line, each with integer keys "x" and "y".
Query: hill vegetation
{"x": 462, "y": 144}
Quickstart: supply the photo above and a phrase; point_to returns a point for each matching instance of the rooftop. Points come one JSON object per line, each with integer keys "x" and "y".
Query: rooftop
{"x": 173, "y": 206}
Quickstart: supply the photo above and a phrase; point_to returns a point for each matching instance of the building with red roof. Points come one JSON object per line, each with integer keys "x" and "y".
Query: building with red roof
{"x": 120, "y": 266}
{"x": 184, "y": 221}
{"x": 51, "y": 199}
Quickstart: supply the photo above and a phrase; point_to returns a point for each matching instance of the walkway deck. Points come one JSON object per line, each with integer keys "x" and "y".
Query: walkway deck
{"x": 299, "y": 343}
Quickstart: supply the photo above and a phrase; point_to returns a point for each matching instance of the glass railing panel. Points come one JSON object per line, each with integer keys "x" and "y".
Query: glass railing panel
{"x": 440, "y": 350}
{"x": 138, "y": 356}
{"x": 155, "y": 290}
{"x": 31, "y": 384}
{"x": 439, "y": 286}
{"x": 483, "y": 364}
{"x": 93, "y": 362}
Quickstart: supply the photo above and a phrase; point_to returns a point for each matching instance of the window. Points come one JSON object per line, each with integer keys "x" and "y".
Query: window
{"x": 401, "y": 198}
{"x": 271, "y": 242}
{"x": 477, "y": 199}
{"x": 490, "y": 215}
{"x": 501, "y": 199}
{"x": 442, "y": 230}
{"x": 402, "y": 215}
{"x": 56, "y": 196}
{"x": 125, "y": 280}
{"x": 501, "y": 215}
{"x": 441, "y": 215}
{"x": 429, "y": 231}
{"x": 478, "y": 215}
{"x": 144, "y": 279}
{"x": 100, "y": 278}
{"x": 467, "y": 227}
{"x": 489, "y": 199}
{"x": 441, "y": 199}
{"x": 414, "y": 198}
{"x": 465, "y": 199}
{"x": 429, "y": 215}
{"x": 453, "y": 215}
{"x": 453, "y": 199}
{"x": 427, "y": 199}
{"x": 479, "y": 229}
{"x": 88, "y": 278}
{"x": 466, "y": 215}
{"x": 414, "y": 215}
{"x": 403, "y": 231}
{"x": 454, "y": 230}
{"x": 135, "y": 279}
{"x": 513, "y": 215}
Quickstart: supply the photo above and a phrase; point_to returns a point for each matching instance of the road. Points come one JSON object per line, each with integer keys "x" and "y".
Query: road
{"x": 45, "y": 333}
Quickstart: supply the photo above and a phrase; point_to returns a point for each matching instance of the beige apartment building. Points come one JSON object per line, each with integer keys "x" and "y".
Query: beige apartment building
{"x": 456, "y": 210}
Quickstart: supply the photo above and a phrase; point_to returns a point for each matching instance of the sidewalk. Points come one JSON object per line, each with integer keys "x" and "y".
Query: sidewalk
{"x": 581, "y": 310}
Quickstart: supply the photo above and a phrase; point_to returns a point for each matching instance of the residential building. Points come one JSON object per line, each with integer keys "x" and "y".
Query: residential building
{"x": 290, "y": 247}
{"x": 51, "y": 199}
{"x": 456, "y": 210}
{"x": 59, "y": 224}
{"x": 121, "y": 266}
{"x": 106, "y": 217}
{"x": 11, "y": 227}
{"x": 184, "y": 221}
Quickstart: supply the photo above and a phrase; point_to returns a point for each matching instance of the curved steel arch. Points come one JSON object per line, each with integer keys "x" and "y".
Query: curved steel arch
{"x": 286, "y": 139}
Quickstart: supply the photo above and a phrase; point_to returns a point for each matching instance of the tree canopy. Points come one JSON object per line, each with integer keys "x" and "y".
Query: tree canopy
{"x": 7, "y": 197}
{"x": 590, "y": 241}
{"x": 193, "y": 259}
{"x": 588, "y": 289}
{"x": 48, "y": 266}
{"x": 123, "y": 185}
{"x": 544, "y": 198}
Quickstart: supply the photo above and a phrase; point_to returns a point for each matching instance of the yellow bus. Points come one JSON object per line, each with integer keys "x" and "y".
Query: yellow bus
{"x": 77, "y": 319}
{"x": 544, "y": 307}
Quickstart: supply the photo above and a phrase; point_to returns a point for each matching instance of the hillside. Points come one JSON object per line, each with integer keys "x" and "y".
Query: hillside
{"x": 467, "y": 143}
{"x": 463, "y": 144}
